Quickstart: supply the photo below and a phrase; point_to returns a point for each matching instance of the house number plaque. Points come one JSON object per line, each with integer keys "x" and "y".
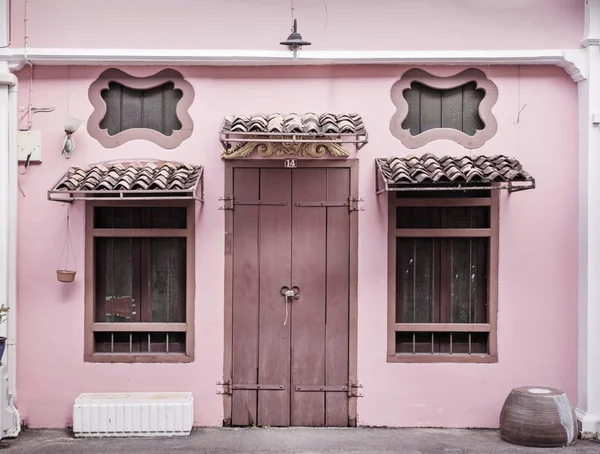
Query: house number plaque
{"x": 290, "y": 163}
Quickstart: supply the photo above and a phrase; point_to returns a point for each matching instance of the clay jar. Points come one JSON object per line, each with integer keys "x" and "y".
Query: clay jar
{"x": 539, "y": 417}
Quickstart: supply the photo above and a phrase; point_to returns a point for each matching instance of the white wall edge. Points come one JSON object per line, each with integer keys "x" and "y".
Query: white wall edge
{"x": 590, "y": 424}
{"x": 572, "y": 60}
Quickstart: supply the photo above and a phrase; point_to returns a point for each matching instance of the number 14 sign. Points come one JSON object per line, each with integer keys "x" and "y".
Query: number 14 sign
{"x": 290, "y": 163}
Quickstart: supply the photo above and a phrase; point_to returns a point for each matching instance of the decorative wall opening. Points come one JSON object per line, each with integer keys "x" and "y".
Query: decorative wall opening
{"x": 153, "y": 108}
{"x": 128, "y": 108}
{"x": 457, "y": 108}
{"x": 431, "y": 108}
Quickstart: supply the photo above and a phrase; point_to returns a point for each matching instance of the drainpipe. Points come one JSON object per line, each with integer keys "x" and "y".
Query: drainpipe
{"x": 8, "y": 237}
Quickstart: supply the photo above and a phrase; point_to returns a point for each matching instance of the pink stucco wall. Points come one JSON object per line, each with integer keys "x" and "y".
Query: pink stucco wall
{"x": 538, "y": 253}
{"x": 329, "y": 24}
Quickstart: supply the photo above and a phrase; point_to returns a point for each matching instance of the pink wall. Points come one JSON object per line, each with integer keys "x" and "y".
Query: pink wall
{"x": 329, "y": 24}
{"x": 538, "y": 253}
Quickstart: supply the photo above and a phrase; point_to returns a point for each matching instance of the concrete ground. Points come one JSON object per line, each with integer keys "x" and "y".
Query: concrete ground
{"x": 284, "y": 441}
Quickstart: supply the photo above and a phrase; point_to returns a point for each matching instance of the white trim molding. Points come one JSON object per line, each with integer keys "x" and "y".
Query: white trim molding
{"x": 588, "y": 310}
{"x": 572, "y": 60}
{"x": 591, "y": 33}
{"x": 590, "y": 424}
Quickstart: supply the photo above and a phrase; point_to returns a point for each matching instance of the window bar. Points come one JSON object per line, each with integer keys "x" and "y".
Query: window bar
{"x": 112, "y": 280}
{"x": 450, "y": 343}
{"x": 414, "y": 289}
{"x": 432, "y": 343}
{"x": 112, "y": 342}
{"x": 142, "y": 97}
{"x": 414, "y": 343}
{"x": 149, "y": 344}
{"x": 167, "y": 346}
{"x": 130, "y": 343}
{"x": 170, "y": 243}
{"x": 469, "y": 343}
{"x": 471, "y": 277}
{"x": 451, "y": 267}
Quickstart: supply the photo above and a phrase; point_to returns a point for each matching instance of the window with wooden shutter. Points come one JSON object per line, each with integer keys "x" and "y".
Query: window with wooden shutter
{"x": 456, "y": 108}
{"x": 443, "y": 277}
{"x": 141, "y": 260}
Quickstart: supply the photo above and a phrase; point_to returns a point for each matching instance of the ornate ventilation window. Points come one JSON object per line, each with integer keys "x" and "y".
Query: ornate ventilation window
{"x": 457, "y": 108}
{"x": 152, "y": 108}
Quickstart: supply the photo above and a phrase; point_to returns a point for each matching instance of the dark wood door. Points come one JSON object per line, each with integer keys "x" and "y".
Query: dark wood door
{"x": 291, "y": 228}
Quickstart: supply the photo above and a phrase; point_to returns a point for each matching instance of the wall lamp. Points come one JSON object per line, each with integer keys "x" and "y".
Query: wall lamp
{"x": 68, "y": 145}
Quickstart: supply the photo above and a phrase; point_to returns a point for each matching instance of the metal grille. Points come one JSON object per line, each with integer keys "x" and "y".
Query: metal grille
{"x": 139, "y": 342}
{"x": 442, "y": 343}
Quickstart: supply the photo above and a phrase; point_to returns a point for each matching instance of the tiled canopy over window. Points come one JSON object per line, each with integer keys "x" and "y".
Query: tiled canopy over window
{"x": 153, "y": 108}
{"x": 431, "y": 172}
{"x": 130, "y": 181}
{"x": 457, "y": 108}
{"x": 303, "y": 135}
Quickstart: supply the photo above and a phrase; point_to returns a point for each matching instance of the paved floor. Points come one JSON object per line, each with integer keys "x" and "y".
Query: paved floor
{"x": 284, "y": 441}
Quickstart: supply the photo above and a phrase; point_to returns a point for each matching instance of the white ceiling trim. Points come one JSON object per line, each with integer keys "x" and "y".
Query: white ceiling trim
{"x": 573, "y": 61}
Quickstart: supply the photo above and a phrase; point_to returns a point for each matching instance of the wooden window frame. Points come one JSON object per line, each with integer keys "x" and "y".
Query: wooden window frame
{"x": 491, "y": 327}
{"x": 90, "y": 286}
{"x": 140, "y": 83}
{"x": 444, "y": 83}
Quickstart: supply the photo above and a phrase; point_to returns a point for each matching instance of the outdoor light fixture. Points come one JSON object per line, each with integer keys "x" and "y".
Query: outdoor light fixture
{"x": 295, "y": 41}
{"x": 68, "y": 145}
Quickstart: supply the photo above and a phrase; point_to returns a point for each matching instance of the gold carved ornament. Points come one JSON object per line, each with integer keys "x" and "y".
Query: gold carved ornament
{"x": 299, "y": 149}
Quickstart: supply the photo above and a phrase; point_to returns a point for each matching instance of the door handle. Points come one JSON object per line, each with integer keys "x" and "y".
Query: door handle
{"x": 290, "y": 292}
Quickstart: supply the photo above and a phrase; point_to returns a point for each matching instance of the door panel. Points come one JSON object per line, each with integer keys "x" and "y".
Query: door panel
{"x": 338, "y": 284}
{"x": 309, "y": 230}
{"x": 245, "y": 296}
{"x": 277, "y": 243}
{"x": 275, "y": 271}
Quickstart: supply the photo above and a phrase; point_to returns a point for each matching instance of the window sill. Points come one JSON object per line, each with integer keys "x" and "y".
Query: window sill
{"x": 433, "y": 358}
{"x": 140, "y": 358}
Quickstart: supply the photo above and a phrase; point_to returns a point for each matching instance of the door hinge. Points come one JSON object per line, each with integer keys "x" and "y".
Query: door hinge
{"x": 226, "y": 387}
{"x": 353, "y": 204}
{"x": 353, "y": 388}
{"x": 228, "y": 202}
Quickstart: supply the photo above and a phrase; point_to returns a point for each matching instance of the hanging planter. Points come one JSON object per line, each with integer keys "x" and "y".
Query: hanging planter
{"x": 64, "y": 273}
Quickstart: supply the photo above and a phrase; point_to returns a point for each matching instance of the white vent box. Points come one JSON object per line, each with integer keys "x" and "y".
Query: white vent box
{"x": 30, "y": 142}
{"x": 133, "y": 414}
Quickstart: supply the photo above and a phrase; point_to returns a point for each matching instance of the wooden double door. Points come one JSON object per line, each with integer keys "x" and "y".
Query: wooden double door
{"x": 290, "y": 354}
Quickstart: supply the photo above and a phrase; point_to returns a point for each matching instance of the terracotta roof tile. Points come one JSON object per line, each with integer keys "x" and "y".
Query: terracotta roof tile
{"x": 131, "y": 176}
{"x": 432, "y": 169}
{"x": 309, "y": 123}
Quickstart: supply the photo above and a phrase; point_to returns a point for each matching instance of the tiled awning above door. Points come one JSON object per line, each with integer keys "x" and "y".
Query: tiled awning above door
{"x": 432, "y": 173}
{"x": 306, "y": 135}
{"x": 139, "y": 180}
